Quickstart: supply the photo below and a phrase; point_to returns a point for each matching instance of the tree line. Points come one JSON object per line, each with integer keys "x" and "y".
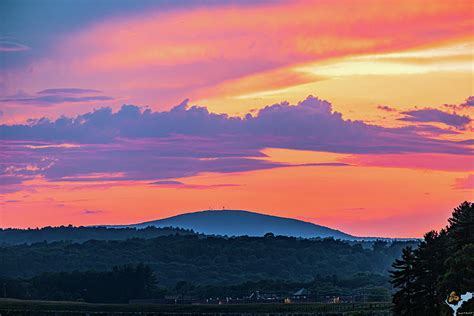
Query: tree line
{"x": 14, "y": 236}
{"x": 205, "y": 260}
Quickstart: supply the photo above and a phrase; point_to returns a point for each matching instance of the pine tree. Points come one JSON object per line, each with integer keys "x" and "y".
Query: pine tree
{"x": 458, "y": 274}
{"x": 403, "y": 277}
{"x": 461, "y": 226}
{"x": 428, "y": 269}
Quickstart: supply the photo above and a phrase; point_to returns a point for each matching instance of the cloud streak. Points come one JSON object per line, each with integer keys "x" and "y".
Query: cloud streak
{"x": 10, "y": 46}
{"x": 68, "y": 90}
{"x": 181, "y": 185}
{"x": 51, "y": 97}
{"x": 438, "y": 116}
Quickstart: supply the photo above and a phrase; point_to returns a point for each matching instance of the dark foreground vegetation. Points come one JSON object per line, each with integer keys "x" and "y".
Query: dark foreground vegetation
{"x": 43, "y": 308}
{"x": 126, "y": 283}
{"x": 442, "y": 263}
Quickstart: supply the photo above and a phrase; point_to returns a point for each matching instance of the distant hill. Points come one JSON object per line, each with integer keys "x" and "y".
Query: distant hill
{"x": 12, "y": 236}
{"x": 240, "y": 223}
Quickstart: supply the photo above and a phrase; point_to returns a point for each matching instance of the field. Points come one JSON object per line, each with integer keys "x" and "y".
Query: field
{"x": 22, "y": 307}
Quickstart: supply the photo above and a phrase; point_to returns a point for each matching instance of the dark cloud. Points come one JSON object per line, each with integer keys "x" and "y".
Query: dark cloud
{"x": 139, "y": 144}
{"x": 435, "y": 115}
{"x": 50, "y": 97}
{"x": 386, "y": 108}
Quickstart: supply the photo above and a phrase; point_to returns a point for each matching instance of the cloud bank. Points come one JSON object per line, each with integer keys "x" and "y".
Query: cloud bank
{"x": 140, "y": 144}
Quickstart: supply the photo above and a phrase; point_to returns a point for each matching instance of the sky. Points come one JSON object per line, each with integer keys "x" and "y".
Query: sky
{"x": 356, "y": 115}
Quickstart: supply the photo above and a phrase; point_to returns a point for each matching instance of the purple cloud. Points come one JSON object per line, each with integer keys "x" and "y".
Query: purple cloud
{"x": 311, "y": 124}
{"x": 435, "y": 115}
{"x": 469, "y": 102}
{"x": 140, "y": 144}
{"x": 466, "y": 104}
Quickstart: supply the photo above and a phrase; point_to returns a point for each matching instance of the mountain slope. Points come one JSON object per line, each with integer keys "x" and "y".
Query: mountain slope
{"x": 238, "y": 223}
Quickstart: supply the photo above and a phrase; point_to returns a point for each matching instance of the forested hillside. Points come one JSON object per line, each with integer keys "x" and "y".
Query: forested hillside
{"x": 205, "y": 260}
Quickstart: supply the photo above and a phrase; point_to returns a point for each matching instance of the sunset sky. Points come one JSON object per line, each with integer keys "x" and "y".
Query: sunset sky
{"x": 356, "y": 115}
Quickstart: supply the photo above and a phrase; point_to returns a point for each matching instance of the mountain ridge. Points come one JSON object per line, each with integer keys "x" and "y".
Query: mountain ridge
{"x": 242, "y": 222}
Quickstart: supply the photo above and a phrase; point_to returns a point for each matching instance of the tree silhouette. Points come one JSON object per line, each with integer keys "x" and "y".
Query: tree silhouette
{"x": 429, "y": 268}
{"x": 442, "y": 263}
{"x": 403, "y": 277}
{"x": 461, "y": 225}
{"x": 459, "y": 266}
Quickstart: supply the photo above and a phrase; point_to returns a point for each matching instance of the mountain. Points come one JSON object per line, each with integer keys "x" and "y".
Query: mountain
{"x": 239, "y": 223}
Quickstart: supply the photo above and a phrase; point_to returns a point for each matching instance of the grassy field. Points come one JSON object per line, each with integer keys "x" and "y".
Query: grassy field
{"x": 14, "y": 307}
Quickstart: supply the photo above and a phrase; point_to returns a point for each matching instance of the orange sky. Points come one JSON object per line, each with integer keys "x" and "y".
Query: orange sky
{"x": 375, "y": 62}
